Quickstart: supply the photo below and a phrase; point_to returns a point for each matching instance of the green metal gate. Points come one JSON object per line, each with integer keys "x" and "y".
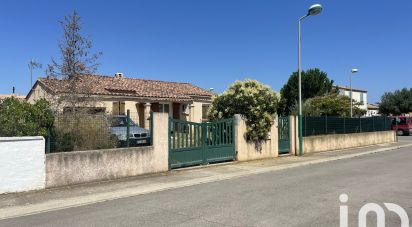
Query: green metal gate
{"x": 284, "y": 135}
{"x": 192, "y": 143}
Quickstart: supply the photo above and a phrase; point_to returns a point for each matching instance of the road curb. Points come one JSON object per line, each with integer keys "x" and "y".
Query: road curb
{"x": 52, "y": 205}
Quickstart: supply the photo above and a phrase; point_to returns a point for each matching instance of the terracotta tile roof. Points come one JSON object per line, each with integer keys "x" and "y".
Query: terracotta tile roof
{"x": 134, "y": 87}
{"x": 373, "y": 107}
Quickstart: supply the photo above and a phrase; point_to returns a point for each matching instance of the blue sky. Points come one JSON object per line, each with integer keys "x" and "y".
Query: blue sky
{"x": 215, "y": 42}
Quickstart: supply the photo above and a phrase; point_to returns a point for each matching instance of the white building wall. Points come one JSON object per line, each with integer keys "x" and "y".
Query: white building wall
{"x": 356, "y": 95}
{"x": 371, "y": 113}
{"x": 22, "y": 164}
{"x": 365, "y": 101}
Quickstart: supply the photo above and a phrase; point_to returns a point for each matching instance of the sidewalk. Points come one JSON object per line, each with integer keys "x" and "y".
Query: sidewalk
{"x": 20, "y": 204}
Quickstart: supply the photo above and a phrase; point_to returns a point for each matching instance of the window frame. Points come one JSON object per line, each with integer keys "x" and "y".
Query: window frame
{"x": 162, "y": 108}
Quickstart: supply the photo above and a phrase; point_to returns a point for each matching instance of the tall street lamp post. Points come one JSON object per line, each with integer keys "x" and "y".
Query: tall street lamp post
{"x": 350, "y": 84}
{"x": 313, "y": 10}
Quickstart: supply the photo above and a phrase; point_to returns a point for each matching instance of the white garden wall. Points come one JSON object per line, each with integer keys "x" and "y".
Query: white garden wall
{"x": 22, "y": 164}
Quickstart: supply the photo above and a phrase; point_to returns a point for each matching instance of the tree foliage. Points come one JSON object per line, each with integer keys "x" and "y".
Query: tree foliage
{"x": 331, "y": 105}
{"x": 75, "y": 56}
{"x": 20, "y": 118}
{"x": 314, "y": 83}
{"x": 76, "y": 60}
{"x": 255, "y": 102}
{"x": 397, "y": 102}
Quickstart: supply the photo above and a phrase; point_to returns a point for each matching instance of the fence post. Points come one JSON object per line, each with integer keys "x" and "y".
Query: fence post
{"x": 128, "y": 129}
{"x": 305, "y": 126}
{"x": 396, "y": 128}
{"x": 373, "y": 124}
{"x": 48, "y": 141}
{"x": 169, "y": 136}
{"x": 151, "y": 128}
{"x": 326, "y": 125}
{"x": 360, "y": 124}
{"x": 344, "y": 125}
{"x": 204, "y": 134}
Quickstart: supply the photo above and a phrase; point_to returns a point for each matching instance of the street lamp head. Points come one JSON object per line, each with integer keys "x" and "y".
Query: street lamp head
{"x": 354, "y": 70}
{"x": 314, "y": 9}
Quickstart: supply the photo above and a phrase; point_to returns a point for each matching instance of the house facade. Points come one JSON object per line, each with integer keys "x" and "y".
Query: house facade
{"x": 358, "y": 95}
{"x": 5, "y": 96}
{"x": 117, "y": 94}
{"x": 373, "y": 110}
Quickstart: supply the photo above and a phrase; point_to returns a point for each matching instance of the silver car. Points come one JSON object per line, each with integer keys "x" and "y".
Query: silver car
{"x": 137, "y": 135}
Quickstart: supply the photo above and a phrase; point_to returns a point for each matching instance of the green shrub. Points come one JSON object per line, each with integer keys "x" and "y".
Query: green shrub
{"x": 331, "y": 105}
{"x": 255, "y": 102}
{"x": 64, "y": 142}
{"x": 75, "y": 132}
{"x": 20, "y": 118}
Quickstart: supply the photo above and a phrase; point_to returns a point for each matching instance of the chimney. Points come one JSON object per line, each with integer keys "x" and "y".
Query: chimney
{"x": 118, "y": 75}
{"x": 14, "y": 92}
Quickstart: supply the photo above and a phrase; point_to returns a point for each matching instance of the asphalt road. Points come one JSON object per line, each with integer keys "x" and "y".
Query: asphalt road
{"x": 302, "y": 196}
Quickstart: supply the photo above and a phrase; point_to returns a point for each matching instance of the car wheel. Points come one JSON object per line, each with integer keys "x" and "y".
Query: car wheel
{"x": 400, "y": 132}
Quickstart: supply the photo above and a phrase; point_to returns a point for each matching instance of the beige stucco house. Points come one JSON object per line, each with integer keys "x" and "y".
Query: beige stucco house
{"x": 4, "y": 96}
{"x": 117, "y": 94}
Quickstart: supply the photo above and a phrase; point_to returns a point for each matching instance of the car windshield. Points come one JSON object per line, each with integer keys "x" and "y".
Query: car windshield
{"x": 120, "y": 122}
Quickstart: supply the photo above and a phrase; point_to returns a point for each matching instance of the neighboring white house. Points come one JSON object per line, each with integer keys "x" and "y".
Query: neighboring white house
{"x": 373, "y": 110}
{"x": 358, "y": 95}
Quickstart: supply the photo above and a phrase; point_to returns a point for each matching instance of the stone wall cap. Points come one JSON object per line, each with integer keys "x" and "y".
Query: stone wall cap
{"x": 22, "y": 138}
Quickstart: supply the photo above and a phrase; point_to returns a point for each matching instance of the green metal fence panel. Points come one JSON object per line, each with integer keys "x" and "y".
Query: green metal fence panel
{"x": 334, "y": 125}
{"x": 200, "y": 143}
{"x": 352, "y": 125}
{"x": 314, "y": 125}
{"x": 182, "y": 153}
{"x": 222, "y": 149}
{"x": 366, "y": 124}
{"x": 324, "y": 125}
{"x": 283, "y": 135}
